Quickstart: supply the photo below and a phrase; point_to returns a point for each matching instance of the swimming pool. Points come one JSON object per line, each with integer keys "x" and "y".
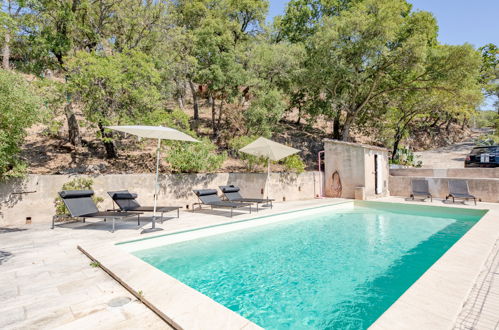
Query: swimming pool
{"x": 326, "y": 268}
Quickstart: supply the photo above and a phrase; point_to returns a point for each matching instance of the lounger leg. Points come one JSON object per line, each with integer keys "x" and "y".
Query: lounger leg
{"x": 113, "y": 225}
{"x": 257, "y": 207}
{"x": 271, "y": 205}
{"x": 431, "y": 198}
{"x": 53, "y": 222}
{"x": 178, "y": 213}
{"x": 162, "y": 217}
{"x": 138, "y": 219}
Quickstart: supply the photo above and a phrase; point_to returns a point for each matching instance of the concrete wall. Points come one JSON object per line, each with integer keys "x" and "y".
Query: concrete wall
{"x": 492, "y": 173}
{"x": 485, "y": 189}
{"x": 338, "y": 158}
{"x": 355, "y": 165}
{"x": 34, "y": 196}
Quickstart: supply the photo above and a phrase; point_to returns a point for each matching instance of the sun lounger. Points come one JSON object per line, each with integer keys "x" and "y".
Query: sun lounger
{"x": 127, "y": 201}
{"x": 459, "y": 189}
{"x": 80, "y": 205}
{"x": 210, "y": 197}
{"x": 420, "y": 188}
{"x": 232, "y": 194}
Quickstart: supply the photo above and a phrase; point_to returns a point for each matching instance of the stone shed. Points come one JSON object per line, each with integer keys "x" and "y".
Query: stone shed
{"x": 354, "y": 170}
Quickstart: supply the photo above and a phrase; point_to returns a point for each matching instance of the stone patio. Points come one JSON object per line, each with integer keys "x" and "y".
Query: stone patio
{"x": 45, "y": 282}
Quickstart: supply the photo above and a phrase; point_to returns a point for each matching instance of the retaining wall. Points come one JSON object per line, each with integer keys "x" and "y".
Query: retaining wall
{"x": 485, "y": 173}
{"x": 34, "y": 195}
{"x": 486, "y": 189}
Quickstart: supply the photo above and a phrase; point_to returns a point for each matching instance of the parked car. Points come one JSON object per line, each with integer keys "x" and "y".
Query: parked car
{"x": 487, "y": 156}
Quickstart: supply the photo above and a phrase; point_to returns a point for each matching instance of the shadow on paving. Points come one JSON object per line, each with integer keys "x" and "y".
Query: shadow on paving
{"x": 4, "y": 230}
{"x": 4, "y": 256}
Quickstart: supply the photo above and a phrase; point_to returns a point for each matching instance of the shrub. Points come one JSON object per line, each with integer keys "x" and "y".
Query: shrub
{"x": 487, "y": 140}
{"x": 406, "y": 157}
{"x": 169, "y": 118}
{"x": 251, "y": 161}
{"x": 264, "y": 113}
{"x": 185, "y": 157}
{"x": 19, "y": 109}
{"x": 293, "y": 163}
{"x": 75, "y": 184}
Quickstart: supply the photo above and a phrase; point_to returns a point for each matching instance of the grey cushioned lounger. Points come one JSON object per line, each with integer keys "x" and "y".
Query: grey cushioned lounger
{"x": 419, "y": 187}
{"x": 232, "y": 194}
{"x": 127, "y": 201}
{"x": 210, "y": 197}
{"x": 459, "y": 189}
{"x": 81, "y": 205}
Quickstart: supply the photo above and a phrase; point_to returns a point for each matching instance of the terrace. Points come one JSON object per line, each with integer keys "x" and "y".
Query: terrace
{"x": 48, "y": 283}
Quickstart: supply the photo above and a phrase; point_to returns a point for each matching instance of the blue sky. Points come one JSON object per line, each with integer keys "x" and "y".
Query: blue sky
{"x": 475, "y": 22}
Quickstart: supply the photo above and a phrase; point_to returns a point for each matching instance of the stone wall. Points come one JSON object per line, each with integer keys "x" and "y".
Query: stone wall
{"x": 34, "y": 195}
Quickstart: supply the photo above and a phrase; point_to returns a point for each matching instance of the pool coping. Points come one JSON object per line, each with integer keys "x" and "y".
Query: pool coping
{"x": 435, "y": 300}
{"x": 185, "y": 308}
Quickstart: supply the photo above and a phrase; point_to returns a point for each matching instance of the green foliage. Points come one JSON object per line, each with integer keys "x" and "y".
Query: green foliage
{"x": 264, "y": 113}
{"x": 486, "y": 119}
{"x": 75, "y": 184}
{"x": 199, "y": 157}
{"x": 115, "y": 89}
{"x": 20, "y": 107}
{"x": 169, "y": 118}
{"x": 94, "y": 264}
{"x": 406, "y": 157}
{"x": 251, "y": 161}
{"x": 487, "y": 140}
{"x": 293, "y": 163}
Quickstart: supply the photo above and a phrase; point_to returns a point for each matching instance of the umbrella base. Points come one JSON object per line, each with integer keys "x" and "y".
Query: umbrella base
{"x": 150, "y": 230}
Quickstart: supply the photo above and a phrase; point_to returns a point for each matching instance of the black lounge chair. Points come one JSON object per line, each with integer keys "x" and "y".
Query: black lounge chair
{"x": 210, "y": 197}
{"x": 232, "y": 194}
{"x": 459, "y": 189}
{"x": 420, "y": 188}
{"x": 126, "y": 201}
{"x": 80, "y": 205}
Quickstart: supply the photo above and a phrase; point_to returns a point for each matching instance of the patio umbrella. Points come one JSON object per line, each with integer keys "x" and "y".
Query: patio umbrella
{"x": 263, "y": 147}
{"x": 160, "y": 133}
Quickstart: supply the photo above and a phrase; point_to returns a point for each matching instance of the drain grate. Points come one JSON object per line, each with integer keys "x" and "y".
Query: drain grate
{"x": 118, "y": 302}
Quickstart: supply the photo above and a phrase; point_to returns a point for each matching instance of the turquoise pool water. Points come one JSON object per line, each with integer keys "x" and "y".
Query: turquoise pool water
{"x": 338, "y": 269}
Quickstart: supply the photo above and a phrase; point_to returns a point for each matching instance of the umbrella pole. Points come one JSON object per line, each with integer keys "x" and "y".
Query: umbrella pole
{"x": 268, "y": 178}
{"x": 156, "y": 186}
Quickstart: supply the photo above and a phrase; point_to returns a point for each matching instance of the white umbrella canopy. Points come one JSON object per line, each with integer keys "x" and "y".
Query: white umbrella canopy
{"x": 154, "y": 132}
{"x": 263, "y": 147}
{"x": 267, "y": 148}
{"x": 160, "y": 133}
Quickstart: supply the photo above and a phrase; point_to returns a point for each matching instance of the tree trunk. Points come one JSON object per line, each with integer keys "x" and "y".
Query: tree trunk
{"x": 345, "y": 134}
{"x": 336, "y": 127}
{"x": 73, "y": 127}
{"x": 6, "y": 52}
{"x": 108, "y": 145}
{"x": 213, "y": 117}
{"x": 194, "y": 100}
{"x": 396, "y": 138}
{"x": 299, "y": 116}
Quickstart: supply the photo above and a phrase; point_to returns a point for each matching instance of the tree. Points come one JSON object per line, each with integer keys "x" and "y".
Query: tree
{"x": 264, "y": 113}
{"x": 302, "y": 18}
{"x": 490, "y": 71}
{"x": 375, "y": 49}
{"x": 19, "y": 109}
{"x": 114, "y": 89}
